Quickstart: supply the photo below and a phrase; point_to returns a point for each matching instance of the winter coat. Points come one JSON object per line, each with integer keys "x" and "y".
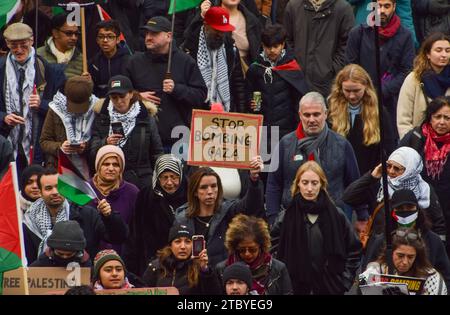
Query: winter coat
{"x": 280, "y": 93}
{"x": 352, "y": 261}
{"x": 47, "y": 85}
{"x": 369, "y": 156}
{"x": 411, "y": 105}
{"x": 278, "y": 282}
{"x": 73, "y": 68}
{"x": 416, "y": 140}
{"x": 319, "y": 39}
{"x": 396, "y": 58}
{"x": 147, "y": 71}
{"x": 102, "y": 69}
{"x": 435, "y": 251}
{"x": 251, "y": 204}
{"x": 235, "y": 74}
{"x": 403, "y": 10}
{"x": 364, "y": 191}
{"x": 122, "y": 200}
{"x": 142, "y": 148}
{"x": 425, "y": 22}
{"x": 336, "y": 158}
{"x": 150, "y": 225}
{"x": 95, "y": 226}
{"x": 208, "y": 283}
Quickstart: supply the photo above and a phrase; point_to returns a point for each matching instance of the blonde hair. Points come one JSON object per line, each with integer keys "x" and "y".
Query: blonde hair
{"x": 421, "y": 62}
{"x": 338, "y": 104}
{"x": 309, "y": 166}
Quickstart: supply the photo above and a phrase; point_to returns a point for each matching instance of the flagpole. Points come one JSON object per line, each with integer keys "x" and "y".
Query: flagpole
{"x": 169, "y": 62}
{"x": 12, "y": 165}
{"x": 83, "y": 40}
{"x": 383, "y": 155}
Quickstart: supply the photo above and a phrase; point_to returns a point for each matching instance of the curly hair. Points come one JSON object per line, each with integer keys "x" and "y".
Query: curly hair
{"x": 166, "y": 259}
{"x": 338, "y": 105}
{"x": 421, "y": 62}
{"x": 242, "y": 227}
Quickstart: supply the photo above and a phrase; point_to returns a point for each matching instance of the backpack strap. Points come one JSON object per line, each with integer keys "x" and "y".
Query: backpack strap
{"x": 422, "y": 86}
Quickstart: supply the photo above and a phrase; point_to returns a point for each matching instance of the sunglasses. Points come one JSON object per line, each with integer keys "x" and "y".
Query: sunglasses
{"x": 411, "y": 236}
{"x": 70, "y": 33}
{"x": 251, "y": 250}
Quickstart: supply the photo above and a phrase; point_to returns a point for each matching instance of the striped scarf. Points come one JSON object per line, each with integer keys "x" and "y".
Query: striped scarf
{"x": 167, "y": 162}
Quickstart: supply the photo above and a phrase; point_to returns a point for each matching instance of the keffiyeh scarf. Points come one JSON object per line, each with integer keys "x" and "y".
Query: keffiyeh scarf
{"x": 214, "y": 69}
{"x": 128, "y": 120}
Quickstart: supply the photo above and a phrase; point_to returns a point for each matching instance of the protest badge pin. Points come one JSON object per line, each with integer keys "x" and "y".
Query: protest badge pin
{"x": 298, "y": 157}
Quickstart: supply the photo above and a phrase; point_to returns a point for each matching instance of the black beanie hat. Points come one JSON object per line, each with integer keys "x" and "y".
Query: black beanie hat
{"x": 67, "y": 235}
{"x": 240, "y": 271}
{"x": 26, "y": 174}
{"x": 179, "y": 230}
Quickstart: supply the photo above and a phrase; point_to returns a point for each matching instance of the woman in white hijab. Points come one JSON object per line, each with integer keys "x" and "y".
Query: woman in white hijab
{"x": 403, "y": 169}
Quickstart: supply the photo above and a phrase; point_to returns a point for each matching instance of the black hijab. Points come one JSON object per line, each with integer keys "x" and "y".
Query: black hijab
{"x": 26, "y": 174}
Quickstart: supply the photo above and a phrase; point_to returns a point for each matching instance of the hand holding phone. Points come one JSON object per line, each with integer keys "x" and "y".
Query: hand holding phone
{"x": 198, "y": 244}
{"x": 117, "y": 128}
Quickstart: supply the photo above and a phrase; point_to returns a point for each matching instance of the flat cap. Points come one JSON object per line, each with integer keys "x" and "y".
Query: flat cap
{"x": 18, "y": 31}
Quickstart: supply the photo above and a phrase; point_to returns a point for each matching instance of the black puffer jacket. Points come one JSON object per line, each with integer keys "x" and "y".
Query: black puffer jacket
{"x": 142, "y": 148}
{"x": 208, "y": 283}
{"x": 102, "y": 69}
{"x": 278, "y": 283}
{"x": 425, "y": 22}
{"x": 147, "y": 72}
{"x": 235, "y": 75}
{"x": 281, "y": 92}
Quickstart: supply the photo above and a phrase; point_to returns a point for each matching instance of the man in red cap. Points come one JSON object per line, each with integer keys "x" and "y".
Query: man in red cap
{"x": 218, "y": 59}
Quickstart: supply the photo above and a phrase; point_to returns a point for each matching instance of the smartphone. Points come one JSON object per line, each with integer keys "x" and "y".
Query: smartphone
{"x": 17, "y": 114}
{"x": 198, "y": 244}
{"x": 74, "y": 145}
{"x": 117, "y": 128}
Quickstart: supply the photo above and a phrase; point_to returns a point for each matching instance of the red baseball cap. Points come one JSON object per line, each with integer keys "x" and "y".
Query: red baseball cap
{"x": 219, "y": 19}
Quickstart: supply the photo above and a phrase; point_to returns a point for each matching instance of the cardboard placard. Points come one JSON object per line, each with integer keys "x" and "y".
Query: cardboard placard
{"x": 415, "y": 285}
{"x": 140, "y": 291}
{"x": 41, "y": 280}
{"x": 224, "y": 139}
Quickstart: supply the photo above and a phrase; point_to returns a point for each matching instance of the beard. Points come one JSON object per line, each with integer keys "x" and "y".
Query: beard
{"x": 214, "y": 42}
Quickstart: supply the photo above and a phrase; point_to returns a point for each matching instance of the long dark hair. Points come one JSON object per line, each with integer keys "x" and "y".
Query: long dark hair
{"x": 167, "y": 263}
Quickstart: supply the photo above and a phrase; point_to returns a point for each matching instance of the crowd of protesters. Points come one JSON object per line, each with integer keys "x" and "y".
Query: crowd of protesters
{"x": 312, "y": 221}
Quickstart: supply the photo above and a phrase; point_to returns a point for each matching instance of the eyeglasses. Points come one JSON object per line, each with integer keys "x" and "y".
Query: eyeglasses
{"x": 173, "y": 178}
{"x": 395, "y": 168}
{"x": 107, "y": 37}
{"x": 411, "y": 236}
{"x": 251, "y": 250}
{"x": 440, "y": 116}
{"x": 15, "y": 45}
{"x": 70, "y": 33}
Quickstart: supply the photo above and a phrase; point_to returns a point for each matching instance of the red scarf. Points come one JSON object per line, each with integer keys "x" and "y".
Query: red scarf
{"x": 389, "y": 30}
{"x": 300, "y": 135}
{"x": 262, "y": 259}
{"x": 290, "y": 66}
{"x": 435, "y": 158}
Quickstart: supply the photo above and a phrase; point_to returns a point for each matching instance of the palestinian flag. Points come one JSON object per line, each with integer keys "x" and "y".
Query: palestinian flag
{"x": 7, "y": 10}
{"x": 11, "y": 239}
{"x": 182, "y": 5}
{"x": 72, "y": 181}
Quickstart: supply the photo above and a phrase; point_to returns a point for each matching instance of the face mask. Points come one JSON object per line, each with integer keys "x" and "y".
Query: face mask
{"x": 65, "y": 261}
{"x": 405, "y": 218}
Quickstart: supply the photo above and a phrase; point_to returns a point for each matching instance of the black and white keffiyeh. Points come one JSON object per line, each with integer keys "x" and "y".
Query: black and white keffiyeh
{"x": 214, "y": 69}
{"x": 39, "y": 221}
{"x": 78, "y": 126}
{"x": 13, "y": 103}
{"x": 128, "y": 119}
{"x": 410, "y": 179}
